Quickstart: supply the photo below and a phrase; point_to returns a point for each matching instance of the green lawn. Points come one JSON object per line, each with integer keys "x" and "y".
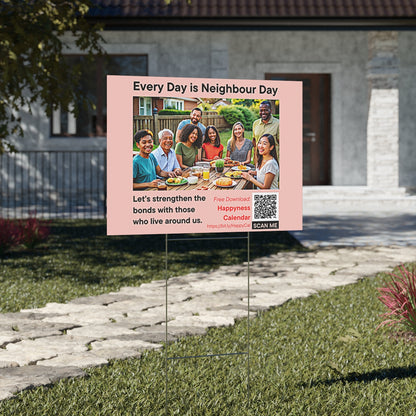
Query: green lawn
{"x": 317, "y": 356}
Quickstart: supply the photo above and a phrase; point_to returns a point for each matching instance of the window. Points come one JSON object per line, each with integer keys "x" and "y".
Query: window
{"x": 145, "y": 106}
{"x": 92, "y": 122}
{"x": 172, "y": 103}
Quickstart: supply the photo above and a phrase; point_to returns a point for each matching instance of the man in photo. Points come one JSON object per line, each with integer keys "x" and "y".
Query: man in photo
{"x": 164, "y": 154}
{"x": 196, "y": 116}
{"x": 145, "y": 165}
{"x": 266, "y": 124}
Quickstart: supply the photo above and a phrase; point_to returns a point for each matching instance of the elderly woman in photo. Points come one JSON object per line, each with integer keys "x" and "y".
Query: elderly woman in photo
{"x": 164, "y": 154}
{"x": 238, "y": 147}
{"x": 267, "y": 172}
{"x": 188, "y": 150}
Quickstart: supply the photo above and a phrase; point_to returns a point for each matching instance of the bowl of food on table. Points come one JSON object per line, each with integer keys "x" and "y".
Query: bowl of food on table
{"x": 192, "y": 180}
{"x": 225, "y": 182}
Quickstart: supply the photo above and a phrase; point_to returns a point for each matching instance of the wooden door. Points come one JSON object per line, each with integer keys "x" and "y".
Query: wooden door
{"x": 316, "y": 125}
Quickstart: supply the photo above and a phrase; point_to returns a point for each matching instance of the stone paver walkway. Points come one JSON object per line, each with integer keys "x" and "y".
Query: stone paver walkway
{"x": 40, "y": 346}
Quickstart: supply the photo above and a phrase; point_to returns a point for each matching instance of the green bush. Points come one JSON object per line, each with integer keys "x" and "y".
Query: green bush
{"x": 173, "y": 112}
{"x": 231, "y": 114}
{"x": 249, "y": 117}
{"x": 234, "y": 113}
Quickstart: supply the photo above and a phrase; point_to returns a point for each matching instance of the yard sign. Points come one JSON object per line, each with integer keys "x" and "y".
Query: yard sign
{"x": 201, "y": 210}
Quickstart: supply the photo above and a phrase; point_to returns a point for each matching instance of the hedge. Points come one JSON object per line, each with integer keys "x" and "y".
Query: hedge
{"x": 173, "y": 112}
{"x": 234, "y": 113}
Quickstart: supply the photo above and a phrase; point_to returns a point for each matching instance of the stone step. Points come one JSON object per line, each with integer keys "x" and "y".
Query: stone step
{"x": 353, "y": 192}
{"x": 357, "y": 199}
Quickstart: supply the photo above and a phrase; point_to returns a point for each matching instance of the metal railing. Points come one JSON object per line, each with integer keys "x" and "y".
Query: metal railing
{"x": 53, "y": 184}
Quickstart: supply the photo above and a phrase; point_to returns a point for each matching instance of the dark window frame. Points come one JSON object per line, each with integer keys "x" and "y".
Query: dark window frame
{"x": 98, "y": 117}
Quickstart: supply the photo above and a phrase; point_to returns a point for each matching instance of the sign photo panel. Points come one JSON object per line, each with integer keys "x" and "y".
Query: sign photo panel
{"x": 207, "y": 155}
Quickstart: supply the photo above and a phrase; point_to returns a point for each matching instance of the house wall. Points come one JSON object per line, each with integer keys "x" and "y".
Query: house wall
{"x": 135, "y": 106}
{"x": 159, "y": 103}
{"x": 251, "y": 54}
{"x": 189, "y": 105}
{"x": 407, "y": 109}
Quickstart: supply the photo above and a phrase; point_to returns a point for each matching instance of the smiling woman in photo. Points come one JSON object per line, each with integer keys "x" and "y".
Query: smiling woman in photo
{"x": 212, "y": 148}
{"x": 238, "y": 147}
{"x": 188, "y": 150}
{"x": 267, "y": 172}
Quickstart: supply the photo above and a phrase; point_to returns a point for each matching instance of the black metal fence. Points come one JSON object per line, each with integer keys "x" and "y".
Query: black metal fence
{"x": 53, "y": 184}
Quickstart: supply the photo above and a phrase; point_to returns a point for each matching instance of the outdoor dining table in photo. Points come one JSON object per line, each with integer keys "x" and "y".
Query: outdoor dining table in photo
{"x": 229, "y": 178}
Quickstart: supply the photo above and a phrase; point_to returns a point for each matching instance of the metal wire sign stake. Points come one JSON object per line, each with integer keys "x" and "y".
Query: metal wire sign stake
{"x": 221, "y": 354}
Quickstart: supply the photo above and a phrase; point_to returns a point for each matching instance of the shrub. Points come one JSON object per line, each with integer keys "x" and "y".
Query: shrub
{"x": 234, "y": 113}
{"x": 249, "y": 117}
{"x": 173, "y": 112}
{"x": 231, "y": 114}
{"x": 399, "y": 295}
{"x": 10, "y": 235}
{"x": 33, "y": 232}
{"x": 29, "y": 233}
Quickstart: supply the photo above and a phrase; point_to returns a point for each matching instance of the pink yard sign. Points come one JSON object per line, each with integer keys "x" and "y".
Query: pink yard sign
{"x": 203, "y": 207}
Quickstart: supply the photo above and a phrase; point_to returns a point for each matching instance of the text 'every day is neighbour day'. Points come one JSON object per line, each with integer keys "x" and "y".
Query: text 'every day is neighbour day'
{"x": 204, "y": 87}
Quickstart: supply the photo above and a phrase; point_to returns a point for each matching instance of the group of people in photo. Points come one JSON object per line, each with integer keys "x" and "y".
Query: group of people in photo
{"x": 194, "y": 142}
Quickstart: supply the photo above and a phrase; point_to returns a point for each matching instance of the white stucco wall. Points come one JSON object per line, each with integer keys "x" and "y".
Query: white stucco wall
{"x": 250, "y": 54}
{"x": 407, "y": 109}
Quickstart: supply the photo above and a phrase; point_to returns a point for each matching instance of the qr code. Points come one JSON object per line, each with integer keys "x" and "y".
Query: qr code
{"x": 265, "y": 206}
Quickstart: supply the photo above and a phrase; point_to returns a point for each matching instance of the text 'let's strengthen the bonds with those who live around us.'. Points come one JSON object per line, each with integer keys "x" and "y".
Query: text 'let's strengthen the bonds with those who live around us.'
{"x": 177, "y": 207}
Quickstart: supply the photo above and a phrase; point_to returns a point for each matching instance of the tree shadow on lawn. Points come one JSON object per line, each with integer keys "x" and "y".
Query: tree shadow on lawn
{"x": 75, "y": 243}
{"x": 90, "y": 241}
{"x": 376, "y": 375}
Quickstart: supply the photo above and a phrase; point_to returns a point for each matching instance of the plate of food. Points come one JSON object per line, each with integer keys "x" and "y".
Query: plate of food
{"x": 227, "y": 163}
{"x": 242, "y": 168}
{"x": 179, "y": 180}
{"x": 235, "y": 174}
{"x": 225, "y": 183}
{"x": 230, "y": 163}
